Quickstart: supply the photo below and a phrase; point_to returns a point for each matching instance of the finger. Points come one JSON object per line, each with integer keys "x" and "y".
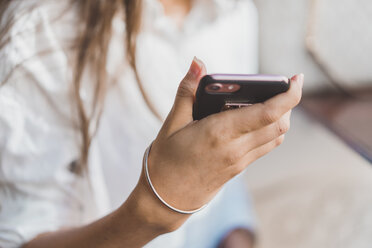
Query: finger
{"x": 259, "y": 137}
{"x": 257, "y": 153}
{"x": 181, "y": 113}
{"x": 254, "y": 117}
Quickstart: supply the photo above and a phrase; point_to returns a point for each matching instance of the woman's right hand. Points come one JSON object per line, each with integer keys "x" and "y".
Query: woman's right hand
{"x": 191, "y": 160}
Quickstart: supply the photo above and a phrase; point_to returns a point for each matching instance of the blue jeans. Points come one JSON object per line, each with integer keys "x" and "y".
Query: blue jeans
{"x": 230, "y": 209}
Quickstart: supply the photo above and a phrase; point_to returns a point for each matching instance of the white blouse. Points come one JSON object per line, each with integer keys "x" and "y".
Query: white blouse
{"x": 38, "y": 138}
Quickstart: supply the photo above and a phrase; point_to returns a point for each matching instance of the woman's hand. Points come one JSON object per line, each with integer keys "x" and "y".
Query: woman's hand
{"x": 191, "y": 160}
{"x": 188, "y": 164}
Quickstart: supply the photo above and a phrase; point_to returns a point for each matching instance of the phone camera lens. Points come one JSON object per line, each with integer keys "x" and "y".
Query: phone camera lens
{"x": 215, "y": 87}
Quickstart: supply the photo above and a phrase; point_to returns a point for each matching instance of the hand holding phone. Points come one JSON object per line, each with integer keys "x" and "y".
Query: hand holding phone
{"x": 191, "y": 160}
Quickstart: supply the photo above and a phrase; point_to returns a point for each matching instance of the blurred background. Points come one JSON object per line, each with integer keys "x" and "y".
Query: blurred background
{"x": 316, "y": 189}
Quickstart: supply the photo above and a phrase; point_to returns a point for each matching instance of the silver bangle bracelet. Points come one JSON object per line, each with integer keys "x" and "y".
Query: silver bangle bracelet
{"x": 145, "y": 159}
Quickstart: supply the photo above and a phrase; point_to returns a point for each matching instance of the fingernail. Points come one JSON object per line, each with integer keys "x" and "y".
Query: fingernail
{"x": 195, "y": 67}
{"x": 198, "y": 61}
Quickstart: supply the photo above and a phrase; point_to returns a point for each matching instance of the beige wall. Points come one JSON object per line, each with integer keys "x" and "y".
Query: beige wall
{"x": 282, "y": 40}
{"x": 341, "y": 37}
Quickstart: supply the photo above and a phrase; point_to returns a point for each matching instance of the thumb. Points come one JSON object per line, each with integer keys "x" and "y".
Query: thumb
{"x": 181, "y": 113}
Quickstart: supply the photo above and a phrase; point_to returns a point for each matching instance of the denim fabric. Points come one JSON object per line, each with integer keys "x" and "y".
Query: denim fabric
{"x": 230, "y": 209}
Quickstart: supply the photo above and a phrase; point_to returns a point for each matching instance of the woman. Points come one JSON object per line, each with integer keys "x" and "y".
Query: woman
{"x": 64, "y": 74}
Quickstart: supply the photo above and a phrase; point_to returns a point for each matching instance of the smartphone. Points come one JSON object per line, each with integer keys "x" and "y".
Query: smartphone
{"x": 220, "y": 92}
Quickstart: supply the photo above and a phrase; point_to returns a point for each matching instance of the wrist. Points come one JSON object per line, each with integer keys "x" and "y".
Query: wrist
{"x": 150, "y": 212}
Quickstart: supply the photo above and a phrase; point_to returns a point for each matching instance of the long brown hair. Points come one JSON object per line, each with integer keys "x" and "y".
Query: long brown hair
{"x": 91, "y": 46}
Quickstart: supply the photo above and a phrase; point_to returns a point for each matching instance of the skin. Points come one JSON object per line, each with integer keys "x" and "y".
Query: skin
{"x": 177, "y": 10}
{"x": 238, "y": 238}
{"x": 189, "y": 162}
{"x": 186, "y": 156}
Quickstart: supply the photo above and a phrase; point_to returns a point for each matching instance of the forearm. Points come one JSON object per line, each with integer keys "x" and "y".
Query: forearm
{"x": 138, "y": 221}
{"x": 106, "y": 232}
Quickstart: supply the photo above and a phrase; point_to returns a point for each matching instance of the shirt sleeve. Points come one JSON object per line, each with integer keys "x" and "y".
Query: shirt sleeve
{"x": 37, "y": 137}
